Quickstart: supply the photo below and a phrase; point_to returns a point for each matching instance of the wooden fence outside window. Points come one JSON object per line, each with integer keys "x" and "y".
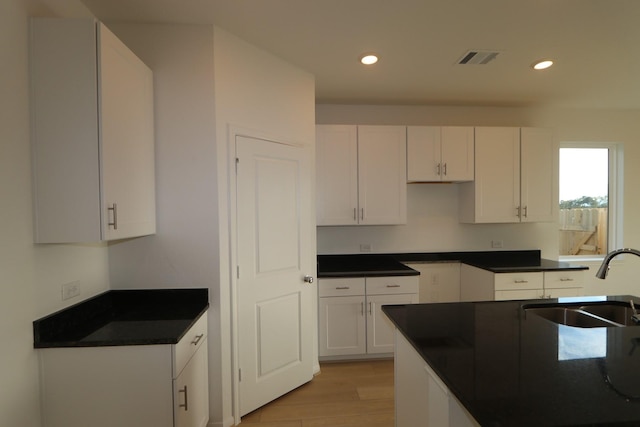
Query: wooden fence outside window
{"x": 583, "y": 231}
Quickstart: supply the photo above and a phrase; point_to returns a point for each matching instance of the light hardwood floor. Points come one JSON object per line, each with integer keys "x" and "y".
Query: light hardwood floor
{"x": 349, "y": 394}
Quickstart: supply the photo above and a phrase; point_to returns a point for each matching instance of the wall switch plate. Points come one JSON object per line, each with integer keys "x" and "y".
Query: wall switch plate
{"x": 496, "y": 244}
{"x": 365, "y": 247}
{"x": 70, "y": 290}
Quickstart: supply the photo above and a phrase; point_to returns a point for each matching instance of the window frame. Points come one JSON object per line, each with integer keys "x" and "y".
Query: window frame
{"x": 615, "y": 196}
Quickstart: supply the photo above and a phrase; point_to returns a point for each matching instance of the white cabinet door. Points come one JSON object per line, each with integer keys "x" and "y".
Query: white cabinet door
{"x": 342, "y": 325}
{"x": 437, "y": 153}
{"x": 424, "y": 154}
{"x": 539, "y": 175}
{"x": 93, "y": 141}
{"x": 516, "y": 177}
{"x": 457, "y": 153}
{"x": 191, "y": 392}
{"x": 438, "y": 281}
{"x": 382, "y": 175}
{"x": 126, "y": 140}
{"x": 494, "y": 196}
{"x": 336, "y": 174}
{"x": 380, "y": 330}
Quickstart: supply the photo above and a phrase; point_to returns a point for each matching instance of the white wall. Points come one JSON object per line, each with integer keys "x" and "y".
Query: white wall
{"x": 432, "y": 224}
{"x": 258, "y": 92}
{"x": 30, "y": 275}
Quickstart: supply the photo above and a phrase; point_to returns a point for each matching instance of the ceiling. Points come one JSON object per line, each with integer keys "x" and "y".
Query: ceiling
{"x": 595, "y": 44}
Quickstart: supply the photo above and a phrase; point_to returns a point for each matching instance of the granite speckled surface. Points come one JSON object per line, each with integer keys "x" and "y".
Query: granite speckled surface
{"x": 123, "y": 317}
{"x": 509, "y": 367}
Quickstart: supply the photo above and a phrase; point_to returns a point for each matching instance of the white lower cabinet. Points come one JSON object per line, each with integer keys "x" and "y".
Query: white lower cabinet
{"x": 128, "y": 386}
{"x": 439, "y": 281}
{"x": 351, "y": 321}
{"x": 477, "y": 284}
{"x": 421, "y": 398}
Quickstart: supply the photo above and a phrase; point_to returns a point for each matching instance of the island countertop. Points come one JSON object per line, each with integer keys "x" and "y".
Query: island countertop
{"x": 123, "y": 317}
{"x": 512, "y": 368}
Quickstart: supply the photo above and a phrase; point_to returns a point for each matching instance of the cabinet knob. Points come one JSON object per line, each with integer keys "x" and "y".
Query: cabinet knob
{"x": 308, "y": 279}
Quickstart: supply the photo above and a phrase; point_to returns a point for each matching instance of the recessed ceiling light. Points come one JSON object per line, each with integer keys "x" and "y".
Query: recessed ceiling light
{"x": 369, "y": 59}
{"x": 542, "y": 65}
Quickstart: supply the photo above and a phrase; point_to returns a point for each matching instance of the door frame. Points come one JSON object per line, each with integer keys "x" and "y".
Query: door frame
{"x": 233, "y": 133}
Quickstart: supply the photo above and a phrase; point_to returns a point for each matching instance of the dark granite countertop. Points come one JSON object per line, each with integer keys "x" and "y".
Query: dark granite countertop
{"x": 358, "y": 265}
{"x": 123, "y": 317}
{"x": 511, "y": 368}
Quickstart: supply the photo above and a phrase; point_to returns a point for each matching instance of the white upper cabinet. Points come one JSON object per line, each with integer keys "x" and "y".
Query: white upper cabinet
{"x": 515, "y": 177}
{"x": 361, "y": 175}
{"x": 437, "y": 153}
{"x": 92, "y": 134}
{"x": 336, "y": 174}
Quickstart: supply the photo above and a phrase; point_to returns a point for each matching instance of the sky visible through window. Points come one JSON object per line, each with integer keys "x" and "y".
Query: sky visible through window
{"x": 583, "y": 172}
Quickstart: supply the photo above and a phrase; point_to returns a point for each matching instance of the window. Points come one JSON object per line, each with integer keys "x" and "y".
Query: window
{"x": 589, "y": 207}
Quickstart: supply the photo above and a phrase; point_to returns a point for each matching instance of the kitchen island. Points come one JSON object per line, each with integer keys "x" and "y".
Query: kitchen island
{"x": 496, "y": 364}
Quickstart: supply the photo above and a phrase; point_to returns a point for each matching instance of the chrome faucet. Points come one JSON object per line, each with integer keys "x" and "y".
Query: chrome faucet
{"x": 604, "y": 268}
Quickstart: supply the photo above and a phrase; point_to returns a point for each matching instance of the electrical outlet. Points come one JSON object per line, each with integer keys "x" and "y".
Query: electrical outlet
{"x": 70, "y": 290}
{"x": 365, "y": 247}
{"x": 496, "y": 244}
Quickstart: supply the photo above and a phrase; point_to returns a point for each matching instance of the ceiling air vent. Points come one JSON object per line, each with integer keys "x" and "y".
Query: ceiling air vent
{"x": 478, "y": 57}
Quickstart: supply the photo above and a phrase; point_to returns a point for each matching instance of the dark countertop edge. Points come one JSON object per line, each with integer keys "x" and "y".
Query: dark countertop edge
{"x": 495, "y": 261}
{"x": 69, "y": 326}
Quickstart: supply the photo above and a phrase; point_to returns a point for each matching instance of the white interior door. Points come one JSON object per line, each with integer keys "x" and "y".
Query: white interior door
{"x": 275, "y": 253}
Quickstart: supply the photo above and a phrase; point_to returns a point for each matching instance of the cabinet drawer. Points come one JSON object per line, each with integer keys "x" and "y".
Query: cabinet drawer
{"x": 392, "y": 285}
{"x": 189, "y": 344}
{"x": 508, "y": 281}
{"x": 518, "y": 294}
{"x": 341, "y": 287}
{"x": 563, "y": 279}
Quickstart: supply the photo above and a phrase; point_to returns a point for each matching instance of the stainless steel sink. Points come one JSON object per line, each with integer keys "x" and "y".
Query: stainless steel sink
{"x": 596, "y": 315}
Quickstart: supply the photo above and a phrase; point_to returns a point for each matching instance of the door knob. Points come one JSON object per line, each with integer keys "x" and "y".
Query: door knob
{"x": 308, "y": 279}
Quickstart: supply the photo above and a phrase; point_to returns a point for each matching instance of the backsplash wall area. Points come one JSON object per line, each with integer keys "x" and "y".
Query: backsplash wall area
{"x": 432, "y": 226}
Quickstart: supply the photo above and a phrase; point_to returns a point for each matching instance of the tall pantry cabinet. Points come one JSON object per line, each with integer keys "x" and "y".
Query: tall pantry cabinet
{"x": 92, "y": 134}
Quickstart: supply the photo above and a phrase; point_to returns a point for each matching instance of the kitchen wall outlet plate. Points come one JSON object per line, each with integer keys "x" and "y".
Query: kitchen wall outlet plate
{"x": 70, "y": 290}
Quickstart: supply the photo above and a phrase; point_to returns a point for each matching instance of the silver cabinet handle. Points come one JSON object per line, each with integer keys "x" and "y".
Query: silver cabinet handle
{"x": 184, "y": 405}
{"x": 308, "y": 279}
{"x": 520, "y": 281}
{"x": 518, "y": 211}
{"x": 525, "y": 211}
{"x": 342, "y": 287}
{"x": 438, "y": 170}
{"x": 362, "y": 309}
{"x": 393, "y": 286}
{"x": 370, "y": 308}
{"x": 114, "y": 210}
{"x": 362, "y": 213}
{"x": 444, "y": 168}
{"x": 355, "y": 218}
{"x": 197, "y": 339}
{"x": 566, "y": 279}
